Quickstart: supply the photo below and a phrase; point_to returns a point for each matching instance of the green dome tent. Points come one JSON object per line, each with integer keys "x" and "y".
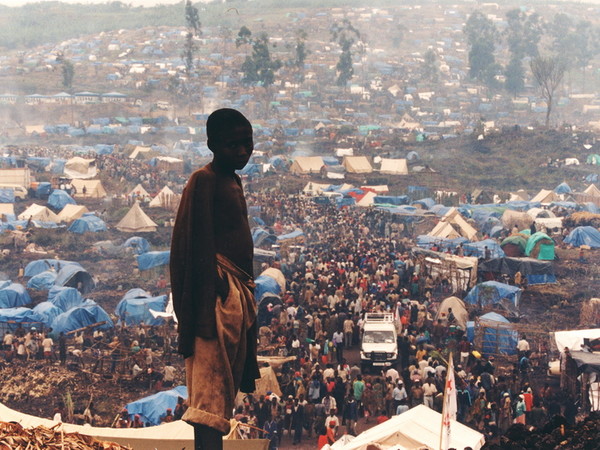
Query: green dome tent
{"x": 540, "y": 246}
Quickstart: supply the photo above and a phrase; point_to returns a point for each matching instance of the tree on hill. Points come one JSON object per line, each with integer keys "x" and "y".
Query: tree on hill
{"x": 548, "y": 72}
{"x": 429, "y": 68}
{"x": 192, "y": 20}
{"x": 259, "y": 67}
{"x": 68, "y": 73}
{"x": 346, "y": 36}
{"x": 482, "y": 37}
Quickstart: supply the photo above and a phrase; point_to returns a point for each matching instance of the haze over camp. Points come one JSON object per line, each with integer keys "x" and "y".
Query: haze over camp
{"x": 422, "y": 195}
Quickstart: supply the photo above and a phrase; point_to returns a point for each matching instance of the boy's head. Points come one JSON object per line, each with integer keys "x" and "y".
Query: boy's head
{"x": 230, "y": 138}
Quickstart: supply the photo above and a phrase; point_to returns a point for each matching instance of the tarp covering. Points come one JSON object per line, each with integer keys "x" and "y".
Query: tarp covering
{"x": 75, "y": 276}
{"x": 536, "y": 271}
{"x": 42, "y": 281}
{"x": 14, "y": 295}
{"x": 499, "y": 337}
{"x": 59, "y": 199}
{"x": 149, "y": 260}
{"x": 293, "y": 235}
{"x": 138, "y": 244}
{"x": 419, "y": 427}
{"x": 514, "y": 245}
{"x": 573, "y": 339}
{"x": 80, "y": 317}
{"x": 266, "y": 283}
{"x": 153, "y": 407}
{"x": 65, "y": 298}
{"x": 41, "y": 265}
{"x": 584, "y": 236}
{"x": 491, "y": 293}
{"x": 136, "y": 310}
{"x": 477, "y": 249}
{"x": 458, "y": 309}
{"x": 88, "y": 222}
{"x": 19, "y": 315}
{"x": 540, "y": 246}
{"x": 48, "y": 312}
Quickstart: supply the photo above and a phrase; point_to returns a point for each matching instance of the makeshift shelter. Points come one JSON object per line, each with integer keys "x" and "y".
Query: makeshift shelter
{"x": 139, "y": 193}
{"x": 419, "y": 427}
{"x": 39, "y": 213}
{"x": 270, "y": 281}
{"x": 136, "y": 221}
{"x": 536, "y": 271}
{"x": 593, "y": 159}
{"x": 42, "y": 281}
{"x": 59, "y": 199}
{"x": 393, "y": 166}
{"x": 490, "y": 293}
{"x": 514, "y": 245}
{"x": 134, "y": 308}
{"x": 357, "y": 164}
{"x": 48, "y": 312}
{"x": 149, "y": 260}
{"x": 563, "y": 188}
{"x": 478, "y": 249}
{"x": 540, "y": 246}
{"x": 592, "y": 190}
{"x": 265, "y": 384}
{"x": 41, "y": 265}
{"x": 304, "y": 165}
{"x": 75, "y": 276}
{"x": 460, "y": 271}
{"x": 498, "y": 336}
{"x": 7, "y": 211}
{"x": 587, "y": 235}
{"x": 166, "y": 198}
{"x": 72, "y": 212}
{"x": 458, "y": 309}
{"x": 80, "y": 168}
{"x": 453, "y": 225}
{"x": 153, "y": 407}
{"x": 10, "y": 317}
{"x": 545, "y": 196}
{"x": 313, "y": 188}
{"x": 511, "y": 218}
{"x": 88, "y": 189}
{"x": 65, "y": 298}
{"x": 14, "y": 295}
{"x": 138, "y": 244}
{"x": 88, "y": 222}
{"x": 80, "y": 317}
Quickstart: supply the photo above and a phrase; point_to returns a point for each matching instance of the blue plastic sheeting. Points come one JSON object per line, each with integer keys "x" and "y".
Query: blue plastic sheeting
{"x": 19, "y": 315}
{"x": 153, "y": 407}
{"x": 584, "y": 236}
{"x": 477, "y": 249}
{"x": 149, "y": 260}
{"x": 59, "y": 199}
{"x": 495, "y": 231}
{"x": 251, "y": 169}
{"x": 265, "y": 285}
{"x": 439, "y": 210}
{"x": 591, "y": 207}
{"x": 540, "y": 278}
{"x": 566, "y": 205}
{"x": 427, "y": 242}
{"x": 77, "y": 277}
{"x": 139, "y": 244}
{"x": 345, "y": 201}
{"x": 426, "y": 203}
{"x": 14, "y": 295}
{"x": 48, "y": 312}
{"x": 391, "y": 200}
{"x": 499, "y": 337}
{"x": 563, "y": 188}
{"x": 522, "y": 205}
{"x": 7, "y": 195}
{"x": 135, "y": 311}
{"x": 491, "y": 292}
{"x": 65, "y": 298}
{"x": 42, "y": 281}
{"x": 41, "y": 265}
{"x": 293, "y": 235}
{"x": 261, "y": 236}
{"x": 80, "y": 317}
{"x": 88, "y": 222}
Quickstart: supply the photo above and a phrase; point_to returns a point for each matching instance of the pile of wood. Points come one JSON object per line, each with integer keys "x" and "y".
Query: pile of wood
{"x": 582, "y": 218}
{"x": 14, "y": 437}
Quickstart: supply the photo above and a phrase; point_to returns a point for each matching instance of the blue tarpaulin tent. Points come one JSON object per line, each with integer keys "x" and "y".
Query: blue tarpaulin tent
{"x": 584, "y": 236}
{"x": 265, "y": 285}
{"x": 499, "y": 337}
{"x": 391, "y": 200}
{"x": 14, "y": 295}
{"x": 7, "y": 195}
{"x": 149, "y": 260}
{"x": 428, "y": 242}
{"x": 136, "y": 310}
{"x": 75, "y": 276}
{"x": 491, "y": 293}
{"x": 43, "y": 189}
{"x": 10, "y": 317}
{"x": 563, "y": 188}
{"x": 41, "y": 265}
{"x": 42, "y": 281}
{"x": 425, "y": 203}
{"x": 80, "y": 317}
{"x": 153, "y": 407}
{"x": 65, "y": 298}
{"x": 88, "y": 222}
{"x": 139, "y": 244}
{"x": 293, "y": 235}
{"x": 477, "y": 249}
{"x": 48, "y": 312}
{"x": 59, "y": 199}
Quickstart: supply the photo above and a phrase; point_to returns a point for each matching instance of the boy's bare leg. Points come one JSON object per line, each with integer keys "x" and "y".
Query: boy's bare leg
{"x": 206, "y": 438}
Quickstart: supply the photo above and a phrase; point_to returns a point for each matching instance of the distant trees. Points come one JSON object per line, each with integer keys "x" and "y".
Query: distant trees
{"x": 429, "y": 68}
{"x": 548, "y": 72}
{"x": 192, "y": 21}
{"x": 259, "y": 67}
{"x": 482, "y": 37}
{"x": 68, "y": 73}
{"x": 300, "y": 54}
{"x": 346, "y": 36}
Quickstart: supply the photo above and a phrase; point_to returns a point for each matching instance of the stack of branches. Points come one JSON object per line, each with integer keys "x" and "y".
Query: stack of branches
{"x": 582, "y": 218}
{"x": 14, "y": 437}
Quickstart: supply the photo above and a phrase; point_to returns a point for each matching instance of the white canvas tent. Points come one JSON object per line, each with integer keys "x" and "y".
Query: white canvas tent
{"x": 458, "y": 309}
{"x": 380, "y": 188}
{"x": 303, "y": 165}
{"x": 573, "y": 339}
{"x": 166, "y": 198}
{"x": 93, "y": 189}
{"x": 136, "y": 221}
{"x": 357, "y": 164}
{"x": 167, "y": 436}
{"x": 7, "y": 209}
{"x": 314, "y": 188}
{"x": 453, "y": 225}
{"x": 39, "y": 213}
{"x": 545, "y": 196}
{"x": 72, "y": 212}
{"x": 139, "y": 151}
{"x": 368, "y": 199}
{"x": 592, "y": 190}
{"x": 393, "y": 166}
{"x": 80, "y": 168}
{"x": 139, "y": 192}
{"x": 418, "y": 428}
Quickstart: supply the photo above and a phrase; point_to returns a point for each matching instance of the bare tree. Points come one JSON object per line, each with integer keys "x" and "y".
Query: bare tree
{"x": 548, "y": 72}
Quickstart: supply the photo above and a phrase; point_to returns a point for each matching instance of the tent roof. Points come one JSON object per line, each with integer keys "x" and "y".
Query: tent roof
{"x": 584, "y": 236}
{"x": 136, "y": 221}
{"x": 40, "y": 213}
{"x": 72, "y": 212}
{"x": 394, "y": 166}
{"x": 78, "y": 167}
{"x": 93, "y": 188}
{"x": 139, "y": 191}
{"x": 357, "y": 164}
{"x": 417, "y": 428}
{"x": 592, "y": 190}
{"x": 7, "y": 209}
{"x": 307, "y": 164}
{"x": 165, "y": 198}
{"x": 458, "y": 309}
{"x": 545, "y": 196}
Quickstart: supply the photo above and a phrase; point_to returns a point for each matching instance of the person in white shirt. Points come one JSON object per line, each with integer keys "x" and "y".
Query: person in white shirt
{"x": 523, "y": 347}
{"x": 47, "y": 345}
{"x": 393, "y": 374}
{"x": 429, "y": 391}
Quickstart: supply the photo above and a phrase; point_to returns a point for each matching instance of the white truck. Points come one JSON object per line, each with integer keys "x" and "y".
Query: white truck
{"x": 379, "y": 344}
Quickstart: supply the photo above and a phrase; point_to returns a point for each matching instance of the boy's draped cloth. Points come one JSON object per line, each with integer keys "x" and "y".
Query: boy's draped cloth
{"x": 215, "y": 371}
